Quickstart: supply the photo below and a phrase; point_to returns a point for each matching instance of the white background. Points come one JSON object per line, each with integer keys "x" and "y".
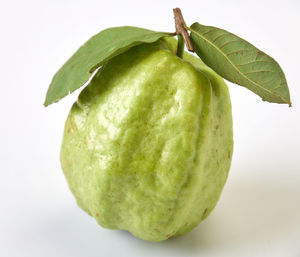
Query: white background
{"x": 259, "y": 211}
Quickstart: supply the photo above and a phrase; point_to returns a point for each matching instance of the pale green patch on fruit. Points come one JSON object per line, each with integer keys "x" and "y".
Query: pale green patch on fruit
{"x": 147, "y": 147}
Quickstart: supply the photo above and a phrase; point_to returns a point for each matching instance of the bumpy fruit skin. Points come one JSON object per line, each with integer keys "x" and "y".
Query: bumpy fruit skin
{"x": 147, "y": 147}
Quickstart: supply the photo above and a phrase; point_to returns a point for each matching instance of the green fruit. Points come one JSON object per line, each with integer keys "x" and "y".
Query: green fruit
{"x": 148, "y": 145}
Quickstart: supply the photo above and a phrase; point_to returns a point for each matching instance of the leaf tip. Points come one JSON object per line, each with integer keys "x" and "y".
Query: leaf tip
{"x": 46, "y": 102}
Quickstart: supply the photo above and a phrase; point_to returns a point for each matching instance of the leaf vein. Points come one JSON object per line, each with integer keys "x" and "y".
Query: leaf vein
{"x": 206, "y": 32}
{"x": 276, "y": 87}
{"x": 228, "y": 43}
{"x": 243, "y": 64}
{"x": 224, "y": 34}
{"x": 257, "y": 71}
{"x": 236, "y": 51}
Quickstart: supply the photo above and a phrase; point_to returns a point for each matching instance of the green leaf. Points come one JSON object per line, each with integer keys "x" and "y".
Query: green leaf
{"x": 240, "y": 62}
{"x": 94, "y": 53}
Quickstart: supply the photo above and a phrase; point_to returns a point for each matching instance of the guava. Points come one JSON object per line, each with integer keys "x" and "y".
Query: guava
{"x": 147, "y": 146}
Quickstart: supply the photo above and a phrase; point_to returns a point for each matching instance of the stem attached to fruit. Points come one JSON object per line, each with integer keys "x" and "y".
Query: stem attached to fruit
{"x": 183, "y": 35}
{"x": 180, "y": 46}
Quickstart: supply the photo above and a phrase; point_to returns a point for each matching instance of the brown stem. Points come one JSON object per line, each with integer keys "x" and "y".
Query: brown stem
{"x": 181, "y": 30}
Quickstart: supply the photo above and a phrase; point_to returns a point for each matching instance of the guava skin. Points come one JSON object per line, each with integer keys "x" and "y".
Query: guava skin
{"x": 147, "y": 147}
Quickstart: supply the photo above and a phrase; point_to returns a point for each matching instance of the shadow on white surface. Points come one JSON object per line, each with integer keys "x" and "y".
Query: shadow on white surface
{"x": 251, "y": 214}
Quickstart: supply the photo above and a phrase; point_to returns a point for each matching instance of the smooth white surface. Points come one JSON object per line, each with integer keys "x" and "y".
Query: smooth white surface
{"x": 259, "y": 211}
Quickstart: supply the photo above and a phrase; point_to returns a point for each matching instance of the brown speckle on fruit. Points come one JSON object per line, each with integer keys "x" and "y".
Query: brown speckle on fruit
{"x": 204, "y": 213}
